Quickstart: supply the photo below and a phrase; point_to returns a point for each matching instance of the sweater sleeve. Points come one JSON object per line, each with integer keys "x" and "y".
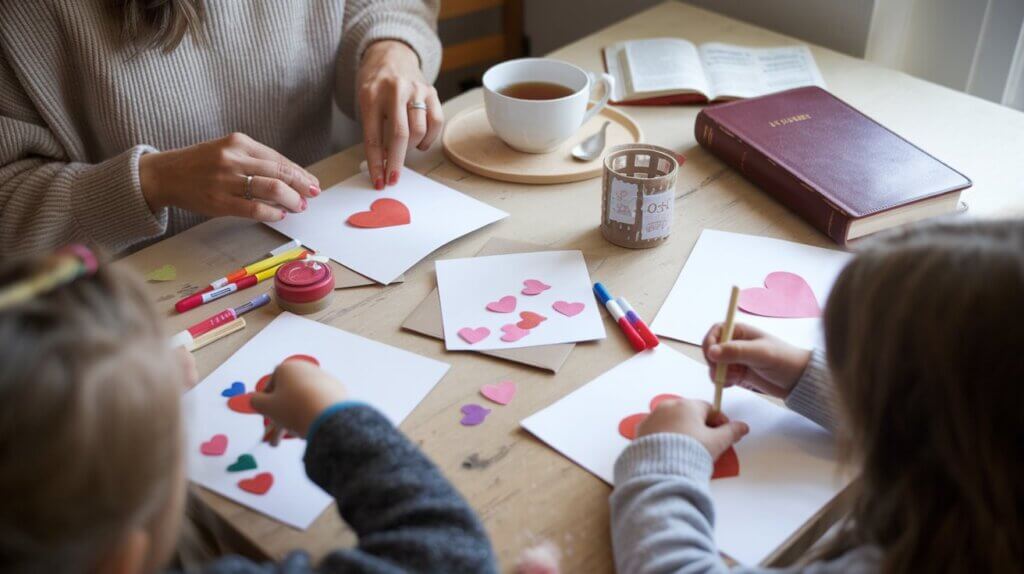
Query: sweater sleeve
{"x": 413, "y": 22}
{"x": 662, "y": 517}
{"x": 47, "y": 200}
{"x": 813, "y": 396}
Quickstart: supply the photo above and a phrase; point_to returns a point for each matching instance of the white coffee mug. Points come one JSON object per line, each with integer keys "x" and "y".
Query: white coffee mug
{"x": 540, "y": 126}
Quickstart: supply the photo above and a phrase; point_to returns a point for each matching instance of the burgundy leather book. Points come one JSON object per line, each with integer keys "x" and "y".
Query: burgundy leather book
{"x": 843, "y": 172}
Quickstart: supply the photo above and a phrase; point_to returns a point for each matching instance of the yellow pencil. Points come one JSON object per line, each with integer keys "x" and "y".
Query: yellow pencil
{"x": 722, "y": 367}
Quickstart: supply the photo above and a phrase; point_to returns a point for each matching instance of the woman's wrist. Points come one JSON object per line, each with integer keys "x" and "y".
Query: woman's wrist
{"x": 150, "y": 181}
{"x": 387, "y": 49}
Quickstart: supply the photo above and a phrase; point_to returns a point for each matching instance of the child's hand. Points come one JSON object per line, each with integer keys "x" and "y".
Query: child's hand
{"x": 756, "y": 359}
{"x": 694, "y": 418}
{"x": 298, "y": 393}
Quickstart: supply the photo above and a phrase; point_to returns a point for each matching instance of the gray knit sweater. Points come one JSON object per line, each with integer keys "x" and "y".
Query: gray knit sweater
{"x": 78, "y": 108}
{"x": 662, "y": 515}
{"x": 408, "y": 517}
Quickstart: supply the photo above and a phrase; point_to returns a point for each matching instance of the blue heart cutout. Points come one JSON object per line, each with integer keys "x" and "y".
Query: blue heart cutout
{"x": 236, "y": 388}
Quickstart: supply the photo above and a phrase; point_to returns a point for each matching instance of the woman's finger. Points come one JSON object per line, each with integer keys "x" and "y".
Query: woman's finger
{"x": 417, "y": 117}
{"x": 292, "y": 177}
{"x": 397, "y": 133}
{"x": 372, "y": 117}
{"x": 275, "y": 191}
{"x": 307, "y": 184}
{"x": 435, "y": 120}
{"x": 251, "y": 209}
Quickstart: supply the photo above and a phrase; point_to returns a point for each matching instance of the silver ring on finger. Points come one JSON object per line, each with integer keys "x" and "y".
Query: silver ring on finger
{"x": 248, "y": 188}
{"x": 418, "y": 106}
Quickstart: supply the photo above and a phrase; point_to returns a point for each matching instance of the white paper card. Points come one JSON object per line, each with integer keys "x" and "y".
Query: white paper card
{"x": 466, "y": 286}
{"x": 788, "y": 465}
{"x": 719, "y": 260}
{"x": 390, "y": 379}
{"x": 657, "y": 214}
{"x": 438, "y": 213}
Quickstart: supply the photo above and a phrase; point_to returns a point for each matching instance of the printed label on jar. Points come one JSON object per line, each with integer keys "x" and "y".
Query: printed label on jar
{"x": 656, "y": 215}
{"x": 622, "y": 202}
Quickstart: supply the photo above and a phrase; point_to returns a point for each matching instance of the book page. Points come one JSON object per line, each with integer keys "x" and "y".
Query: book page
{"x": 661, "y": 65}
{"x": 740, "y": 72}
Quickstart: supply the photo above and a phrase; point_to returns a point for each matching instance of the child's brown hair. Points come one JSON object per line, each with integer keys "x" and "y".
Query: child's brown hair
{"x": 90, "y": 444}
{"x": 925, "y": 340}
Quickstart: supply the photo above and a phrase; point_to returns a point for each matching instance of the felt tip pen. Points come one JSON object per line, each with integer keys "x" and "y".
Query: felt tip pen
{"x": 620, "y": 317}
{"x": 227, "y": 315}
{"x": 645, "y": 332}
{"x": 254, "y": 268}
{"x": 202, "y": 298}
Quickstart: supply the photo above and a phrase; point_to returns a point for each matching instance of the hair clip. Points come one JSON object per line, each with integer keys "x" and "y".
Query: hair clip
{"x": 62, "y": 267}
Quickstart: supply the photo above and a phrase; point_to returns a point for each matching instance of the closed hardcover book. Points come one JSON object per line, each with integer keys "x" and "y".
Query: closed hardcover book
{"x": 843, "y": 172}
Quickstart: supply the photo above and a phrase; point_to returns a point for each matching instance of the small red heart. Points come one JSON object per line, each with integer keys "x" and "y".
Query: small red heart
{"x": 530, "y": 320}
{"x": 661, "y": 398}
{"x": 385, "y": 212}
{"x": 242, "y": 404}
{"x": 627, "y": 426}
{"x": 308, "y": 358}
{"x": 261, "y": 385}
{"x": 727, "y": 465}
{"x": 258, "y": 484}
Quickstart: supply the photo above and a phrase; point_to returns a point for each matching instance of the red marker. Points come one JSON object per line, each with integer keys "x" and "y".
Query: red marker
{"x": 627, "y": 328}
{"x": 197, "y": 299}
{"x": 645, "y": 332}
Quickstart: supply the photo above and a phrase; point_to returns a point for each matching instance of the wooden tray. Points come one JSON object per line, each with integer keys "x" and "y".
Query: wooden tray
{"x": 469, "y": 143}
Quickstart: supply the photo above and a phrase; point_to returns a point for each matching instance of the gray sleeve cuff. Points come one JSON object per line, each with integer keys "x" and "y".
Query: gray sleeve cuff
{"x": 813, "y": 396}
{"x": 108, "y": 203}
{"x": 664, "y": 453}
{"x": 413, "y": 23}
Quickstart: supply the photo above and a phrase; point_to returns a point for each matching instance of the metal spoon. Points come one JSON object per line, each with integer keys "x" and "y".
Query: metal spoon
{"x": 590, "y": 148}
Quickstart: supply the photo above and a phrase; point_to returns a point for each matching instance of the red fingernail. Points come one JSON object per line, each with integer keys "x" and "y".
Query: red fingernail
{"x": 394, "y": 178}
{"x": 314, "y": 190}
{"x": 378, "y": 184}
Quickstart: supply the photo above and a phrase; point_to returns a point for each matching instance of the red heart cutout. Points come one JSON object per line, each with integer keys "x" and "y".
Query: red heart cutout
{"x": 308, "y": 358}
{"x": 727, "y": 465}
{"x": 530, "y": 320}
{"x": 261, "y": 385}
{"x": 385, "y": 212}
{"x": 242, "y": 404}
{"x": 286, "y": 434}
{"x": 258, "y": 484}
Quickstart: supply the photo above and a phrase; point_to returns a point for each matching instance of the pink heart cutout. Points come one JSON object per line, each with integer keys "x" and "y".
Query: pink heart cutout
{"x": 785, "y": 295}
{"x": 473, "y": 336}
{"x": 568, "y": 309}
{"x": 500, "y": 393}
{"x": 506, "y": 304}
{"x": 216, "y": 446}
{"x": 513, "y": 333}
{"x": 534, "y": 287}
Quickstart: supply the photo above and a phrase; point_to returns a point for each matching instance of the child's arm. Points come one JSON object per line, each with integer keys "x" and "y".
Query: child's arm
{"x": 662, "y": 516}
{"x": 768, "y": 364}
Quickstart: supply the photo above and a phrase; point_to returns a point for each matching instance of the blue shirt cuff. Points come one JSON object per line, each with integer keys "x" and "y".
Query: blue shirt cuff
{"x": 326, "y": 414}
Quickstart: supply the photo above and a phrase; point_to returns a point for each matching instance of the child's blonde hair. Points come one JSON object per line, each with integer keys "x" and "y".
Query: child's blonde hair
{"x": 90, "y": 437}
{"x": 924, "y": 337}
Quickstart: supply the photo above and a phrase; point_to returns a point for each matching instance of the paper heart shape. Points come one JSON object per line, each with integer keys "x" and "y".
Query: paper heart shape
{"x": 236, "y": 388}
{"x": 473, "y": 415}
{"x": 258, "y": 484}
{"x": 530, "y": 320}
{"x": 160, "y": 274}
{"x": 568, "y": 309}
{"x": 727, "y": 465}
{"x": 473, "y": 336}
{"x": 384, "y": 212}
{"x": 784, "y": 295}
{"x": 534, "y": 287}
{"x": 216, "y": 446}
{"x": 261, "y": 385}
{"x": 307, "y": 358}
{"x": 500, "y": 393}
{"x": 506, "y": 304}
{"x": 242, "y": 463}
{"x": 513, "y": 333}
{"x": 242, "y": 404}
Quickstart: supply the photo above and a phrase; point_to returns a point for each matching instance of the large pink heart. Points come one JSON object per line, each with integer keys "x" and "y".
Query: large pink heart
{"x": 785, "y": 295}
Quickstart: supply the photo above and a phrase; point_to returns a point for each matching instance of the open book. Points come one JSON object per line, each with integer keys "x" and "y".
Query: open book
{"x": 674, "y": 71}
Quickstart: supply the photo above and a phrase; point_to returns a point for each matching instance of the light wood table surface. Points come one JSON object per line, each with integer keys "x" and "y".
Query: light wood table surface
{"x": 525, "y": 491}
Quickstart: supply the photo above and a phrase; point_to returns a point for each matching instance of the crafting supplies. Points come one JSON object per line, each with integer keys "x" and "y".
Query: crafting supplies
{"x": 638, "y": 196}
{"x": 204, "y": 297}
{"x": 722, "y": 367}
{"x": 226, "y": 316}
{"x": 254, "y": 268}
{"x": 641, "y": 327}
{"x": 304, "y": 287}
{"x": 620, "y": 317}
{"x": 185, "y": 339}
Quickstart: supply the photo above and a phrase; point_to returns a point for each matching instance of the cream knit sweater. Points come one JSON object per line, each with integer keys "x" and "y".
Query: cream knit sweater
{"x": 78, "y": 109}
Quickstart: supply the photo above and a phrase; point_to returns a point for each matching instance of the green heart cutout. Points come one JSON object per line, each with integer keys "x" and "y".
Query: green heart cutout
{"x": 244, "y": 462}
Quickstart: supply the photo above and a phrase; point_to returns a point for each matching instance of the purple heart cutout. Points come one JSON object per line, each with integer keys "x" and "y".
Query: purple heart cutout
{"x": 473, "y": 415}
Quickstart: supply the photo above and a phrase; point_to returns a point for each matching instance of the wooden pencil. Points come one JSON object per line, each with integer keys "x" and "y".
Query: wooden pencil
{"x": 721, "y": 368}
{"x": 217, "y": 334}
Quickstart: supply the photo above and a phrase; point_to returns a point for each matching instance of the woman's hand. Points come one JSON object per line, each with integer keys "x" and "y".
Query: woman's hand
{"x": 714, "y": 430}
{"x": 756, "y": 359}
{"x": 298, "y": 393}
{"x": 210, "y": 179}
{"x": 390, "y": 84}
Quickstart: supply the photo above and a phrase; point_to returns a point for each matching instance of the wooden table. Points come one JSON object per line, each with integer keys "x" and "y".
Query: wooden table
{"x": 525, "y": 491}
